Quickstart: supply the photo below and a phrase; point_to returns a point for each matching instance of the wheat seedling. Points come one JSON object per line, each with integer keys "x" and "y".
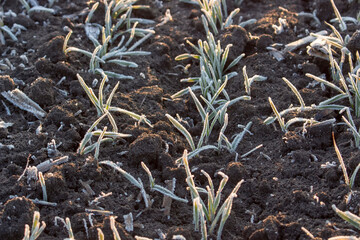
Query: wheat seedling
{"x": 349, "y": 182}
{"x": 215, "y": 14}
{"x": 67, "y": 225}
{"x": 43, "y": 186}
{"x": 158, "y": 188}
{"x": 113, "y": 229}
{"x": 100, "y": 234}
{"x": 195, "y": 150}
{"x": 352, "y": 127}
{"x": 285, "y": 125}
{"x": 279, "y": 115}
{"x": 342, "y": 24}
{"x": 36, "y": 230}
{"x": 7, "y": 30}
{"x": 118, "y": 17}
{"x": 102, "y": 55}
{"x": 348, "y": 85}
{"x": 348, "y": 216}
{"x": 214, "y": 112}
{"x": 138, "y": 183}
{"x": 110, "y": 50}
{"x": 216, "y": 108}
{"x": 232, "y": 146}
{"x": 83, "y": 149}
{"x": 213, "y": 67}
{"x": 210, "y": 214}
{"x": 36, "y": 7}
{"x": 104, "y": 110}
{"x": 248, "y": 81}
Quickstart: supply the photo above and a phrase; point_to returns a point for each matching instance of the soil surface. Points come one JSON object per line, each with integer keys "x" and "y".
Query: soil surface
{"x": 286, "y": 187}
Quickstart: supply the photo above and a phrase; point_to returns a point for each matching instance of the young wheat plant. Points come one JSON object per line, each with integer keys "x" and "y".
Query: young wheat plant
{"x": 279, "y": 115}
{"x": 348, "y": 181}
{"x": 5, "y": 29}
{"x": 36, "y": 230}
{"x": 138, "y": 183}
{"x": 214, "y": 14}
{"x": 36, "y": 8}
{"x": 111, "y": 50}
{"x": 211, "y": 215}
{"x": 213, "y": 60}
{"x": 104, "y": 110}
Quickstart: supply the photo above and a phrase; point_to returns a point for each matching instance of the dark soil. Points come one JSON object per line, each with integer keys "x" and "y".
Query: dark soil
{"x": 282, "y": 192}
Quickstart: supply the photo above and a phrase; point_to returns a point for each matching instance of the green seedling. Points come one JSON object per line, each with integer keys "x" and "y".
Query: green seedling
{"x": 113, "y": 229}
{"x": 104, "y": 110}
{"x": 195, "y": 150}
{"x": 183, "y": 130}
{"x": 36, "y": 8}
{"x": 158, "y": 188}
{"x": 67, "y": 225}
{"x": 138, "y": 183}
{"x": 102, "y": 55}
{"x": 348, "y": 216}
{"x": 109, "y": 136}
{"x": 351, "y": 124}
{"x": 232, "y": 146}
{"x": 5, "y": 29}
{"x": 342, "y": 24}
{"x": 213, "y": 67}
{"x": 36, "y": 230}
{"x": 349, "y": 182}
{"x": 215, "y": 14}
{"x": 279, "y": 115}
{"x": 348, "y": 86}
{"x": 116, "y": 8}
{"x": 114, "y": 47}
{"x": 100, "y": 234}
{"x": 248, "y": 81}
{"x": 210, "y": 215}
{"x": 118, "y": 17}
{"x": 215, "y": 107}
{"x": 285, "y": 125}
{"x": 43, "y": 186}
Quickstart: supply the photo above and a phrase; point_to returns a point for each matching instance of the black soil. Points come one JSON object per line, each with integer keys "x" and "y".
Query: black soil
{"x": 285, "y": 186}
